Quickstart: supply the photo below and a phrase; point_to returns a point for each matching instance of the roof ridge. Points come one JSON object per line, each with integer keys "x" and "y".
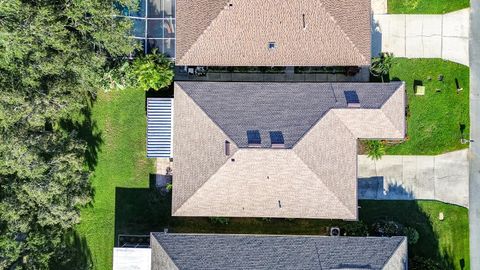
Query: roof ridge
{"x": 332, "y": 18}
{"x": 219, "y": 128}
{"x": 328, "y": 188}
{"x": 200, "y": 187}
{"x": 314, "y": 172}
{"x": 383, "y": 106}
{"x": 204, "y": 30}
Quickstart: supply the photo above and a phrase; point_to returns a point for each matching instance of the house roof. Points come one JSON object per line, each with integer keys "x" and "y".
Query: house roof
{"x": 213, "y": 251}
{"x": 304, "y": 32}
{"x": 317, "y": 163}
{"x": 291, "y": 108}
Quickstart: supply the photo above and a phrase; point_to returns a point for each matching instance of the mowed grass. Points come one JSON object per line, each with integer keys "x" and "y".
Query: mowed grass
{"x": 444, "y": 241}
{"x": 122, "y": 162}
{"x": 438, "y": 120}
{"x": 124, "y": 202}
{"x": 426, "y": 6}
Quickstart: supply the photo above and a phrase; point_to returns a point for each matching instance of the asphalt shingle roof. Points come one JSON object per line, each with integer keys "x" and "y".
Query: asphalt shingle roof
{"x": 292, "y": 108}
{"x": 203, "y": 251}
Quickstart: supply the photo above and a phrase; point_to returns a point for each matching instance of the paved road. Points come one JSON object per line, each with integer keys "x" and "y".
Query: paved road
{"x": 443, "y": 178}
{"x": 475, "y": 135}
{"x": 423, "y": 36}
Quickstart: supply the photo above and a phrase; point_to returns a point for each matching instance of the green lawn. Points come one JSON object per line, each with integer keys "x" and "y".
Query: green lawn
{"x": 124, "y": 202}
{"x": 446, "y": 241}
{"x": 426, "y": 6}
{"x": 119, "y": 119}
{"x": 437, "y": 120}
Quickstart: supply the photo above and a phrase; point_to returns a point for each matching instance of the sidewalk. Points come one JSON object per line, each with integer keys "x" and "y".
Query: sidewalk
{"x": 443, "y": 178}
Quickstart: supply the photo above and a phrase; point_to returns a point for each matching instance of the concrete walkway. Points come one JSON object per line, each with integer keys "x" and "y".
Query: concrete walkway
{"x": 443, "y": 178}
{"x": 423, "y": 36}
{"x": 379, "y": 6}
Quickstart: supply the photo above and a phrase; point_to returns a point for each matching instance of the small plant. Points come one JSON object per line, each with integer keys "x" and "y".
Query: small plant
{"x": 411, "y": 234}
{"x": 219, "y": 220}
{"x": 169, "y": 187}
{"x": 381, "y": 65}
{"x": 375, "y": 149}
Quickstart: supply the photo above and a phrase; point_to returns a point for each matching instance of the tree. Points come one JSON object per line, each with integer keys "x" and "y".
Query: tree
{"x": 381, "y": 65}
{"x": 375, "y": 149}
{"x": 53, "y": 54}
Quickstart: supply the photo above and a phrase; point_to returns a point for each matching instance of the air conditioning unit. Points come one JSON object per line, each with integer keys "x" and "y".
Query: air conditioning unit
{"x": 334, "y": 231}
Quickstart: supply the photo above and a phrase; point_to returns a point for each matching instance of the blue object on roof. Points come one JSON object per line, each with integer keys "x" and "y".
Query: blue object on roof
{"x": 276, "y": 137}
{"x": 293, "y": 108}
{"x": 253, "y": 137}
{"x": 159, "y": 127}
{"x": 351, "y": 97}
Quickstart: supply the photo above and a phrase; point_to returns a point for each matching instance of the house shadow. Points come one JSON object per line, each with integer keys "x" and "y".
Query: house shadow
{"x": 426, "y": 252}
{"x": 376, "y": 38}
{"x": 375, "y": 188}
{"x": 139, "y": 211}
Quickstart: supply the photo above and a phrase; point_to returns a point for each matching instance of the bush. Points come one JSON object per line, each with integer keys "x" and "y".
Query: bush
{"x": 152, "y": 71}
{"x": 356, "y": 229}
{"x": 375, "y": 149}
{"x": 420, "y": 263}
{"x": 411, "y": 234}
{"x": 387, "y": 228}
{"x": 219, "y": 220}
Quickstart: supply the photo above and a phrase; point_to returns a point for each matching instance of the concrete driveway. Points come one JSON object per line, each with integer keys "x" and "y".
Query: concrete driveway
{"x": 423, "y": 36}
{"x": 443, "y": 178}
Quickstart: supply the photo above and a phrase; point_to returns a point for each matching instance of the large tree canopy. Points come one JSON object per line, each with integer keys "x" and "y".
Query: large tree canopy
{"x": 52, "y": 59}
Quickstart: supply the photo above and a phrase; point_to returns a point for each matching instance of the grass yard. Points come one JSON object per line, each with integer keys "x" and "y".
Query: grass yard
{"x": 125, "y": 202}
{"x": 438, "y": 120}
{"x": 119, "y": 121}
{"x": 426, "y": 6}
{"x": 445, "y": 241}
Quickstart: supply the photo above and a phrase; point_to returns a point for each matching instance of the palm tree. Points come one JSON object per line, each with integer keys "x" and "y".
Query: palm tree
{"x": 375, "y": 149}
{"x": 381, "y": 65}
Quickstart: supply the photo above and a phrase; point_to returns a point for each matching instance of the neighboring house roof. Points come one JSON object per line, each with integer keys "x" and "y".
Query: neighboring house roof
{"x": 312, "y": 176}
{"x": 213, "y": 251}
{"x": 304, "y": 32}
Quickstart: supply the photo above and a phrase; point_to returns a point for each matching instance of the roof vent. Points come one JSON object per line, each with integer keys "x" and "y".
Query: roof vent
{"x": 254, "y": 139}
{"x": 272, "y": 45}
{"x": 276, "y": 137}
{"x": 352, "y": 99}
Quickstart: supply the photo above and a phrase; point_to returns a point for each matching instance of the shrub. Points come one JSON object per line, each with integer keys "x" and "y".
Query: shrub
{"x": 152, "y": 71}
{"x": 420, "y": 263}
{"x": 219, "y": 220}
{"x": 375, "y": 149}
{"x": 356, "y": 228}
{"x": 387, "y": 228}
{"x": 411, "y": 234}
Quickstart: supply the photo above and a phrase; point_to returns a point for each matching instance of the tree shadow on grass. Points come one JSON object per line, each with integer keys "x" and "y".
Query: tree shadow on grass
{"x": 75, "y": 253}
{"x": 87, "y": 130}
